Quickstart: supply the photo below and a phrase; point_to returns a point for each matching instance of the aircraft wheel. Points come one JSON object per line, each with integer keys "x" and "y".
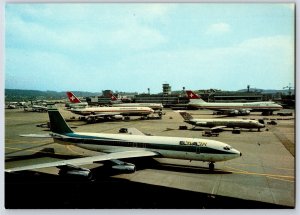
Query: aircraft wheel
{"x": 211, "y": 166}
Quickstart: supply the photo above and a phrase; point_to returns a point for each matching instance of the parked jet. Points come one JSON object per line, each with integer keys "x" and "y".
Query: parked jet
{"x": 221, "y": 123}
{"x": 154, "y": 106}
{"x": 93, "y": 113}
{"x": 115, "y": 100}
{"x": 14, "y": 105}
{"x": 36, "y": 108}
{"x": 121, "y": 146}
{"x": 75, "y": 102}
{"x": 241, "y": 108}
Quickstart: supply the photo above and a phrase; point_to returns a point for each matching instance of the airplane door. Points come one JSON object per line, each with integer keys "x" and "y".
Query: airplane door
{"x": 197, "y": 149}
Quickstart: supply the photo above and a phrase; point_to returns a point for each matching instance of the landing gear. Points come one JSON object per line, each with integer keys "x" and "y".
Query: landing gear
{"x": 267, "y": 113}
{"x": 211, "y": 166}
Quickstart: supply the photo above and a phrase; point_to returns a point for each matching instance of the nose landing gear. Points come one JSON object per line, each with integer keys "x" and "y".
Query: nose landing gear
{"x": 211, "y": 166}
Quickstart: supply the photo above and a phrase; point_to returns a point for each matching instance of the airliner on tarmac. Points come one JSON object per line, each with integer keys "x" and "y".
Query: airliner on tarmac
{"x": 93, "y": 113}
{"x": 154, "y": 106}
{"x": 121, "y": 146}
{"x": 240, "y": 108}
{"x": 216, "y": 123}
{"x": 75, "y": 102}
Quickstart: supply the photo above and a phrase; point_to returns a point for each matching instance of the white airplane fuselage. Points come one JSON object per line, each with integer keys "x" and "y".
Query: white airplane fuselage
{"x": 230, "y": 123}
{"x": 167, "y": 147}
{"x": 154, "y": 106}
{"x": 254, "y": 106}
{"x": 127, "y": 111}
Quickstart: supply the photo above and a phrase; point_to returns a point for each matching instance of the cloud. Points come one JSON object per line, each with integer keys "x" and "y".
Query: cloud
{"x": 267, "y": 62}
{"x": 218, "y": 28}
{"x": 84, "y": 29}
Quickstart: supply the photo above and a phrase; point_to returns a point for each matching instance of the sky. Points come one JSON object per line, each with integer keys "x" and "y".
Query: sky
{"x": 132, "y": 47}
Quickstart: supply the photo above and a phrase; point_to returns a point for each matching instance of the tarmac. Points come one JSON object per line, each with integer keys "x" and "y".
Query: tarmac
{"x": 264, "y": 177}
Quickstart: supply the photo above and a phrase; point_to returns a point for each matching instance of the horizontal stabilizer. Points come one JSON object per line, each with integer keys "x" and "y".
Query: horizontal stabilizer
{"x": 36, "y": 135}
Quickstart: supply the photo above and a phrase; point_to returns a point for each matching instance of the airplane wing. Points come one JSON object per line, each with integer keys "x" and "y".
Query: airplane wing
{"x": 88, "y": 160}
{"x": 218, "y": 127}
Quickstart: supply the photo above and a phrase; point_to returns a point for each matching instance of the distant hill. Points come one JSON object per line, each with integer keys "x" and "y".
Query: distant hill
{"x": 27, "y": 95}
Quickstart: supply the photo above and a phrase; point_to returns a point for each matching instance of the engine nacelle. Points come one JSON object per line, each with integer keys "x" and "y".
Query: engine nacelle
{"x": 120, "y": 117}
{"x": 234, "y": 112}
{"x": 75, "y": 172}
{"x": 244, "y": 112}
{"x": 201, "y": 123}
{"x": 126, "y": 167}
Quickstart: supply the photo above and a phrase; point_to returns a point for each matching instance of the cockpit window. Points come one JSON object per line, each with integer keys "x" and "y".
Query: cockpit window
{"x": 226, "y": 148}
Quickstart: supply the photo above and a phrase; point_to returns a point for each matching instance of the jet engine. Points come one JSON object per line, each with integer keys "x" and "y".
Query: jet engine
{"x": 120, "y": 117}
{"x": 125, "y": 167}
{"x": 201, "y": 123}
{"x": 75, "y": 171}
{"x": 244, "y": 112}
{"x": 234, "y": 112}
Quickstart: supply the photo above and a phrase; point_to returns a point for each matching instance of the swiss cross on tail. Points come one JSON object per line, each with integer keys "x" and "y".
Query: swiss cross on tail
{"x": 73, "y": 98}
{"x": 192, "y": 95}
{"x": 112, "y": 97}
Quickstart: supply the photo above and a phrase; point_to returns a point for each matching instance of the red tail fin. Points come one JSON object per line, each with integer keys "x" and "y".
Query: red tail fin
{"x": 73, "y": 98}
{"x": 112, "y": 97}
{"x": 192, "y": 95}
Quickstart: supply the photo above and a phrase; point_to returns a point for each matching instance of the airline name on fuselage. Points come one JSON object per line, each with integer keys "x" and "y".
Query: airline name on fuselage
{"x": 130, "y": 108}
{"x": 203, "y": 144}
{"x": 258, "y": 105}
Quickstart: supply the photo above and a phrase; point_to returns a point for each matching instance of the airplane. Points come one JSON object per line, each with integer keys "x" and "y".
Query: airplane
{"x": 115, "y": 100}
{"x": 241, "y": 108}
{"x": 154, "y": 106}
{"x": 14, "y": 105}
{"x": 75, "y": 102}
{"x": 36, "y": 108}
{"x": 93, "y": 113}
{"x": 216, "y": 124}
{"x": 122, "y": 146}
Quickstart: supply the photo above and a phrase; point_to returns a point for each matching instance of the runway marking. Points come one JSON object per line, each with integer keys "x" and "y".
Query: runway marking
{"x": 264, "y": 166}
{"x": 72, "y": 150}
{"x": 273, "y": 176}
{"x": 280, "y": 179}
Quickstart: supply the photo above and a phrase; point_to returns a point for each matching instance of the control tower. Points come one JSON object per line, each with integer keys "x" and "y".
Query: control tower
{"x": 166, "y": 89}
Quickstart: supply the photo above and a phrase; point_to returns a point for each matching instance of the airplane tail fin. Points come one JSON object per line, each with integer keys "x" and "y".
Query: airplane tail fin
{"x": 194, "y": 97}
{"x": 185, "y": 115}
{"x": 112, "y": 97}
{"x": 57, "y": 122}
{"x": 73, "y": 98}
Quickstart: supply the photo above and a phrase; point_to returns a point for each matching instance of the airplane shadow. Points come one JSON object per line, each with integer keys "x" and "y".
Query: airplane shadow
{"x": 150, "y": 163}
{"x": 106, "y": 170}
{"x": 34, "y": 190}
